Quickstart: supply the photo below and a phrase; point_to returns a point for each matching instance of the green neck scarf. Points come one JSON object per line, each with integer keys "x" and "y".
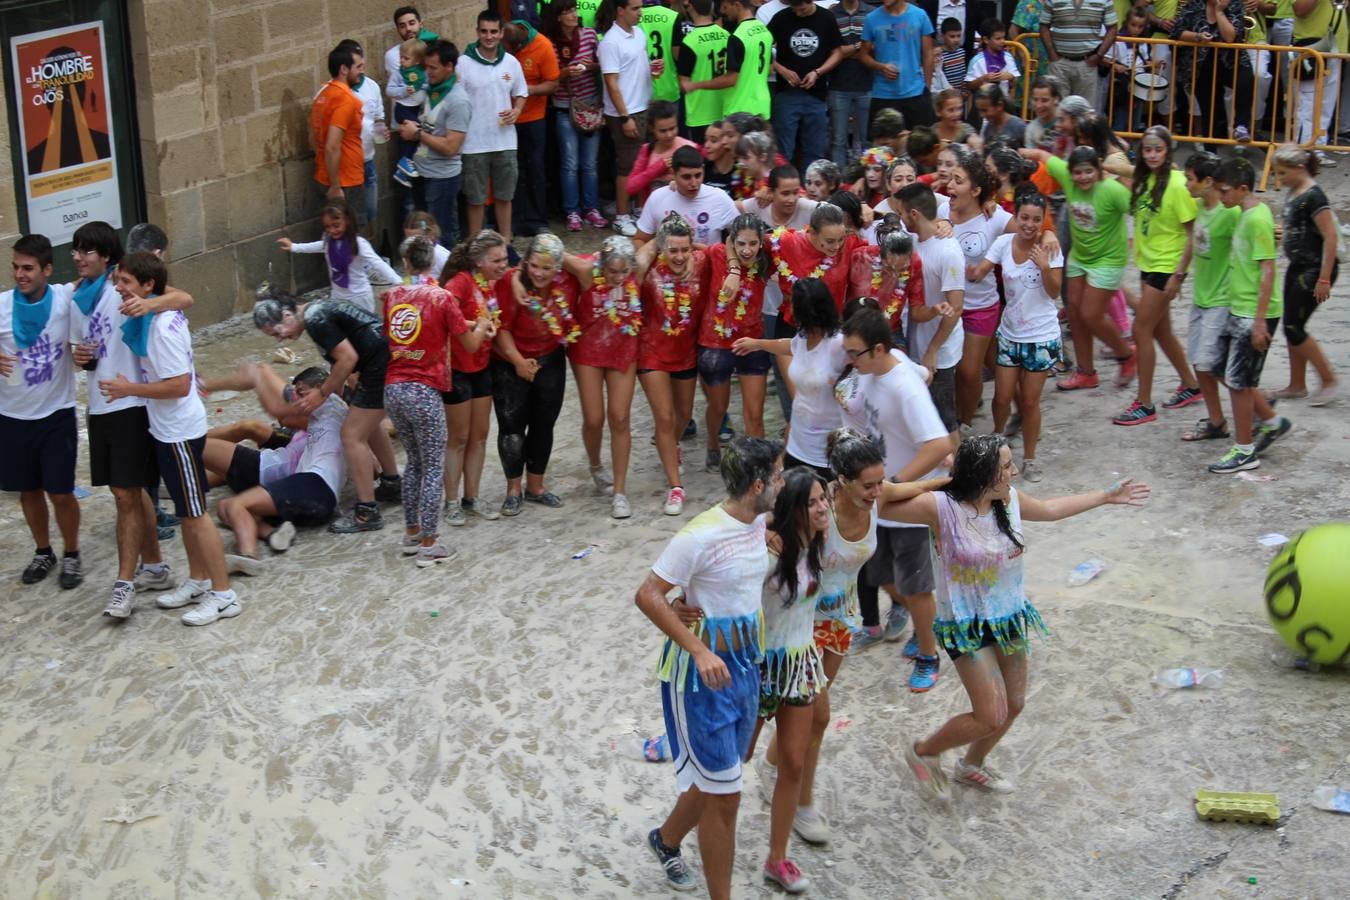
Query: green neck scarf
{"x": 436, "y": 92}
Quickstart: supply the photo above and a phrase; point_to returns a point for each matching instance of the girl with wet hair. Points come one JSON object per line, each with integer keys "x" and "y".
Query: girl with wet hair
{"x": 673, "y": 295}
{"x": 984, "y": 620}
{"x": 538, "y": 303}
{"x": 351, "y": 260}
{"x": 604, "y": 360}
{"x": 755, "y": 156}
{"x": 890, "y": 271}
{"x": 472, "y": 272}
{"x": 424, "y": 224}
{"x": 822, "y": 179}
{"x": 738, "y": 272}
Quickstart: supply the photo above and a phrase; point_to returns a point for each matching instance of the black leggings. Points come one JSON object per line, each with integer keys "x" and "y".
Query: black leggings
{"x": 868, "y": 595}
{"x": 1206, "y": 88}
{"x": 1299, "y": 301}
{"x": 526, "y": 413}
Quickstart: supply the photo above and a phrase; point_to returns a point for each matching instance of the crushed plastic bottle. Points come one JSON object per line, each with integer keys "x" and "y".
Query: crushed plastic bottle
{"x": 1187, "y": 678}
{"x": 1086, "y": 571}
{"x": 1288, "y": 659}
{"x": 1331, "y": 798}
{"x": 655, "y": 749}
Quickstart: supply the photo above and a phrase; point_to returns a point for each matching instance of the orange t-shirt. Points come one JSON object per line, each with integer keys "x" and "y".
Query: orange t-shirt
{"x": 539, "y": 61}
{"x": 337, "y": 105}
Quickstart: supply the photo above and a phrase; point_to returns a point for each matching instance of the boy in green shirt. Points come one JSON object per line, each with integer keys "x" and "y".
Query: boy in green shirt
{"x": 1254, "y": 311}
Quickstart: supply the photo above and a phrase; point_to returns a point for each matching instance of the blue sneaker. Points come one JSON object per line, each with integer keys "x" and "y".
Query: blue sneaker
{"x": 924, "y": 675}
{"x": 678, "y": 875}
{"x": 911, "y": 650}
{"x": 896, "y": 620}
{"x": 864, "y": 636}
{"x": 405, "y": 172}
{"x": 726, "y": 432}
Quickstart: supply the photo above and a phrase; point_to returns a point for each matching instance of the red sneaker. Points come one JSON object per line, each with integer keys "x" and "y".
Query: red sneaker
{"x": 1128, "y": 369}
{"x": 1078, "y": 381}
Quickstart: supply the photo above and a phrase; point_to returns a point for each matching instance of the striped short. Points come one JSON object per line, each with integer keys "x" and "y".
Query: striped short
{"x": 184, "y": 475}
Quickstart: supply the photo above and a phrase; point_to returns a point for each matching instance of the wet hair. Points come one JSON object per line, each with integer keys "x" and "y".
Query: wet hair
{"x": 146, "y": 268}
{"x": 37, "y": 246}
{"x": 752, "y": 222}
{"x": 850, "y": 451}
{"x": 469, "y": 253}
{"x": 270, "y": 310}
{"x": 419, "y": 251}
{"x": 1236, "y": 172}
{"x": 101, "y": 238}
{"x": 673, "y": 225}
{"x": 922, "y": 141}
{"x": 791, "y": 517}
{"x": 1291, "y": 156}
{"x": 813, "y": 307}
{"x": 975, "y": 470}
{"x": 993, "y": 94}
{"x": 827, "y": 170}
{"x": 897, "y": 163}
{"x": 1009, "y": 163}
{"x": 1095, "y": 131}
{"x": 746, "y": 460}
{"x": 1206, "y": 165}
{"x": 340, "y": 207}
{"x": 849, "y": 204}
{"x": 545, "y": 243}
{"x": 895, "y": 243}
{"x": 1142, "y": 172}
{"x": 744, "y": 123}
{"x": 981, "y": 182}
{"x": 756, "y": 144}
{"x": 852, "y": 308}
{"x": 1027, "y": 195}
{"x": 617, "y": 248}
{"x": 424, "y": 222}
{"x": 888, "y": 224}
{"x": 341, "y": 55}
{"x": 871, "y": 327}
{"x": 1084, "y": 155}
{"x": 826, "y": 214}
{"x": 887, "y": 125}
{"x": 311, "y": 377}
{"x": 785, "y": 172}
{"x": 147, "y": 236}
{"x": 1051, "y": 84}
{"x": 918, "y": 197}
{"x": 1075, "y": 105}
{"x": 686, "y": 158}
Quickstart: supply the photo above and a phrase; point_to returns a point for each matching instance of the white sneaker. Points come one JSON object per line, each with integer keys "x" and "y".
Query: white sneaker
{"x": 674, "y": 502}
{"x": 984, "y": 777}
{"x": 619, "y": 508}
{"x": 215, "y": 605}
{"x": 410, "y": 546}
{"x": 604, "y": 482}
{"x": 625, "y": 225}
{"x": 454, "y": 514}
{"x": 150, "y": 580}
{"x": 188, "y": 592}
{"x": 429, "y": 556}
{"x": 767, "y": 778}
{"x": 811, "y": 826}
{"x": 1031, "y": 472}
{"x": 282, "y": 537}
{"x": 239, "y": 564}
{"x": 122, "y": 602}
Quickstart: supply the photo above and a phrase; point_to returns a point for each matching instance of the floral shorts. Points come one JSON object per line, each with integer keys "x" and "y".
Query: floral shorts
{"x": 1031, "y": 357}
{"x": 834, "y": 636}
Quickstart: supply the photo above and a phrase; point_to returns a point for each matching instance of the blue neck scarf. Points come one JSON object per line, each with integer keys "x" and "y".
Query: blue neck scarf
{"x": 30, "y": 317}
{"x": 87, "y": 292}
{"x": 136, "y": 332}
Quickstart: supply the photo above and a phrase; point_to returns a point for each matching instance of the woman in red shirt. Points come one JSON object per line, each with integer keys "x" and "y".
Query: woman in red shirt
{"x": 419, "y": 320}
{"x": 529, "y": 371}
{"x": 890, "y": 272}
{"x": 672, "y": 307}
{"x": 477, "y": 265}
{"x": 817, "y": 252}
{"x": 604, "y": 360}
{"x": 734, "y": 308}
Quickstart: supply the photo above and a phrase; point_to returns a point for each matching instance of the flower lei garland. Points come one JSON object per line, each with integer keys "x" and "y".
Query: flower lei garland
{"x": 555, "y": 313}
{"x": 740, "y": 188}
{"x": 720, "y": 326}
{"x": 784, "y": 270}
{"x": 626, "y": 314}
{"x": 897, "y": 293}
{"x": 489, "y": 299}
{"x": 676, "y": 298}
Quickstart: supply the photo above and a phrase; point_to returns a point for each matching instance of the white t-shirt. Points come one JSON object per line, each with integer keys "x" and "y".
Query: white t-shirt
{"x": 168, "y": 354}
{"x": 373, "y": 103}
{"x": 720, "y": 561}
{"x": 801, "y": 216}
{"x": 366, "y": 263}
{"x": 898, "y": 413}
{"x": 43, "y": 380}
{"x": 944, "y": 269}
{"x": 323, "y": 454}
{"x": 815, "y": 412}
{"x": 977, "y": 65}
{"x": 975, "y": 236}
{"x": 491, "y": 88}
{"x": 709, "y": 213}
{"x": 103, "y": 326}
{"x": 624, "y": 53}
{"x": 1031, "y": 316}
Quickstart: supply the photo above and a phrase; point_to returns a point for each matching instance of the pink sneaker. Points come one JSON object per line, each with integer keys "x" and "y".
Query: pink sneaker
{"x": 787, "y": 876}
{"x": 1078, "y": 381}
{"x": 574, "y": 221}
{"x": 1128, "y": 369}
{"x": 595, "y": 220}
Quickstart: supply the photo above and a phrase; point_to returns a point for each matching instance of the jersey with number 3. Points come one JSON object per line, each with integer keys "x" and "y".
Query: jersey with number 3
{"x": 752, "y": 59}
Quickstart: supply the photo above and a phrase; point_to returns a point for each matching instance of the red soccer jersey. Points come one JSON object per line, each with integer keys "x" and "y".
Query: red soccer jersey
{"x": 739, "y": 316}
{"x": 671, "y": 314}
{"x": 609, "y": 326}
{"x": 795, "y": 257}
{"x": 543, "y": 323}
{"x": 419, "y": 320}
{"x": 474, "y": 303}
{"x": 867, "y": 278}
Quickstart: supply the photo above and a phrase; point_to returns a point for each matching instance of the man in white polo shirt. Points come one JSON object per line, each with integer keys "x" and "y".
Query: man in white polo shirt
{"x": 627, "y": 74}
{"x": 496, "y": 86}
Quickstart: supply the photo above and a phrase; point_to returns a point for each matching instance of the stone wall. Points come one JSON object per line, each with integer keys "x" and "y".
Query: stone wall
{"x": 9, "y": 207}
{"x": 223, "y": 90}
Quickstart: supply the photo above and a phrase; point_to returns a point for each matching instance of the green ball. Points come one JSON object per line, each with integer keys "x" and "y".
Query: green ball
{"x": 1308, "y": 593}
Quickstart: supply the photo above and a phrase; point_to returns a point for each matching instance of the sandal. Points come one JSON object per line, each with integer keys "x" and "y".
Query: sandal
{"x": 1205, "y": 430}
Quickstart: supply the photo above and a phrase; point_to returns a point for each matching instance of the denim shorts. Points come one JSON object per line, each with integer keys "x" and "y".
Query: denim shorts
{"x": 1239, "y": 364}
{"x": 716, "y": 364}
{"x": 1031, "y": 357}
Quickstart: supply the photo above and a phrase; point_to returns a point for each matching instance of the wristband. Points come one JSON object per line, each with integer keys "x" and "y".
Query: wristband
{"x": 1324, "y": 281}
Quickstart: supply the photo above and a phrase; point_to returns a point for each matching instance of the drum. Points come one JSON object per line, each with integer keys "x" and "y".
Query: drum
{"x": 1150, "y": 87}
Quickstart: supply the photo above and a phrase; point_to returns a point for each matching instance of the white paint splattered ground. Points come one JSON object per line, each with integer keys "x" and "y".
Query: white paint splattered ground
{"x": 340, "y": 740}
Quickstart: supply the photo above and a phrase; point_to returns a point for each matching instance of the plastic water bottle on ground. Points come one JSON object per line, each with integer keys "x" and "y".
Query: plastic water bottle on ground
{"x": 1188, "y": 678}
{"x": 1331, "y": 798}
{"x": 1086, "y": 571}
{"x": 655, "y": 749}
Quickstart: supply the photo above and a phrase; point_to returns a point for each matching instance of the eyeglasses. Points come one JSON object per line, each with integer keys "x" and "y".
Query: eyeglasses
{"x": 853, "y": 355}
{"x": 76, "y": 254}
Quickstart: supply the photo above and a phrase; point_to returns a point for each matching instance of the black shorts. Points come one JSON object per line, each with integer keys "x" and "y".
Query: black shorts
{"x": 466, "y": 386}
{"x": 245, "y": 469}
{"x": 1156, "y": 280}
{"x": 791, "y": 462}
{"x": 904, "y": 558}
{"x": 369, "y": 393}
{"x": 39, "y": 454}
{"x": 121, "y": 450}
{"x": 303, "y": 498}
{"x": 943, "y": 391}
{"x": 184, "y": 475}
{"x": 718, "y": 364}
{"x": 1239, "y": 364}
{"x": 682, "y": 375}
{"x": 987, "y": 639}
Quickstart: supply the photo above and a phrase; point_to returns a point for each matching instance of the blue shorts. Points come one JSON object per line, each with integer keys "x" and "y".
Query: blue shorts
{"x": 710, "y": 730}
{"x": 717, "y": 364}
{"x": 1031, "y": 357}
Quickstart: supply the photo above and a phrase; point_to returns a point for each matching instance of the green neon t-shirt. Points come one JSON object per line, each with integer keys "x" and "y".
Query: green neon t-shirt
{"x": 1160, "y": 234}
{"x": 1096, "y": 218}
{"x": 1211, "y": 246}
{"x": 1253, "y": 243}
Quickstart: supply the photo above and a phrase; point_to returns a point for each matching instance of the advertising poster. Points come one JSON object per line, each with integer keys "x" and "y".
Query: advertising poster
{"x": 65, "y": 130}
